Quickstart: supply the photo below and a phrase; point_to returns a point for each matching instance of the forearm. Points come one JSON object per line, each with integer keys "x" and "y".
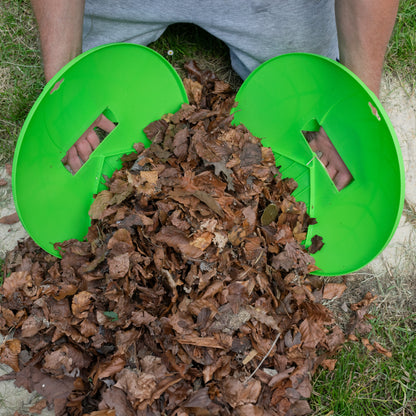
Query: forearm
{"x": 60, "y": 30}
{"x": 364, "y": 29}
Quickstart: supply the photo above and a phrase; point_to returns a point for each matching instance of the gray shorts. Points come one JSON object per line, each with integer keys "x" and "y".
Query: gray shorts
{"x": 254, "y": 30}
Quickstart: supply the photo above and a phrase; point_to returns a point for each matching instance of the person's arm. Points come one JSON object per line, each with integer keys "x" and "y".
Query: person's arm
{"x": 60, "y": 31}
{"x": 364, "y": 30}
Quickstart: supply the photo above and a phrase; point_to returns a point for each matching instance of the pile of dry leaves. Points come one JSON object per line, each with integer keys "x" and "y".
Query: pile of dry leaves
{"x": 191, "y": 293}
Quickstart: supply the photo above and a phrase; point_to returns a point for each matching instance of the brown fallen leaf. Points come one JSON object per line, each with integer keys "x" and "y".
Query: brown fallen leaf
{"x": 209, "y": 201}
{"x": 8, "y": 168}
{"x": 352, "y": 337}
{"x": 237, "y": 393}
{"x": 32, "y": 325}
{"x": 54, "y": 390}
{"x": 9, "y": 353}
{"x": 329, "y": 364}
{"x": 193, "y": 90}
{"x": 137, "y": 386}
{"x": 109, "y": 368}
{"x": 316, "y": 244}
{"x": 10, "y": 219}
{"x": 65, "y": 360}
{"x": 15, "y": 282}
{"x": 39, "y": 406}
{"x": 3, "y": 182}
{"x": 333, "y": 290}
{"x": 367, "y": 344}
{"x": 177, "y": 239}
{"x": 382, "y": 350}
{"x": 299, "y": 408}
{"x": 202, "y": 240}
{"x": 106, "y": 412}
{"x": 81, "y": 303}
{"x": 116, "y": 400}
{"x": 119, "y": 265}
{"x": 100, "y": 204}
{"x": 209, "y": 342}
{"x": 312, "y": 333}
{"x": 121, "y": 237}
{"x": 368, "y": 299}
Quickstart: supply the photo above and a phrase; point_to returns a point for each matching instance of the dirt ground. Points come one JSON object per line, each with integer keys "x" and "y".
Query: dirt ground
{"x": 390, "y": 276}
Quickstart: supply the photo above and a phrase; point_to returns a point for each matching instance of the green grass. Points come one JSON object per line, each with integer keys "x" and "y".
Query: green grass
{"x": 371, "y": 384}
{"x": 21, "y": 76}
{"x": 188, "y": 41}
{"x": 401, "y": 54}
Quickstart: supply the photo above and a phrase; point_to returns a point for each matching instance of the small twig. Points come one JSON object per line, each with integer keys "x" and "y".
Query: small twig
{"x": 262, "y": 361}
{"x": 386, "y": 264}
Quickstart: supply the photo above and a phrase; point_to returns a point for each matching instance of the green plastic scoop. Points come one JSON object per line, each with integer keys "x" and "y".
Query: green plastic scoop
{"x": 300, "y": 92}
{"x": 131, "y": 85}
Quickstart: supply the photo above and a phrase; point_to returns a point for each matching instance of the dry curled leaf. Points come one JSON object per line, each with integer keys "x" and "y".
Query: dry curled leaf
{"x": 382, "y": 350}
{"x": 9, "y": 353}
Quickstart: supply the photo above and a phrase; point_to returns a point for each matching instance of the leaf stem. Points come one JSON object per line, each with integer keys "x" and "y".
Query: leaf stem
{"x": 262, "y": 361}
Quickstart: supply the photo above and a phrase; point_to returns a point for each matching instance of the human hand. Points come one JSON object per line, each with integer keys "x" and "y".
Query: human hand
{"x": 79, "y": 153}
{"x": 321, "y": 144}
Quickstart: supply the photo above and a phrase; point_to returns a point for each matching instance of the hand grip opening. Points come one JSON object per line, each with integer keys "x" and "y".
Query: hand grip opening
{"x": 327, "y": 154}
{"x": 79, "y": 153}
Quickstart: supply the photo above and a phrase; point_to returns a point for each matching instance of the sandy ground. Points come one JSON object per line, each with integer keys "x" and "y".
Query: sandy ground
{"x": 390, "y": 275}
{"x": 400, "y": 104}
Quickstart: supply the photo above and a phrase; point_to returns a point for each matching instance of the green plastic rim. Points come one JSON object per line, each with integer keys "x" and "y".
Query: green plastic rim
{"x": 133, "y": 86}
{"x": 297, "y": 92}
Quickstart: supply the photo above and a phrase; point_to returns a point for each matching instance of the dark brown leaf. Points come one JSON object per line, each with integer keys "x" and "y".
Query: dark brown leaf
{"x": 56, "y": 391}
{"x": 251, "y": 154}
{"x": 155, "y": 131}
{"x": 177, "y": 239}
{"x": 116, "y": 399}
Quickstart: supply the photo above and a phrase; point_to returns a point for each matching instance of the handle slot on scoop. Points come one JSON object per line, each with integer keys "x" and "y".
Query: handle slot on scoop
{"x": 94, "y": 135}
{"x": 313, "y": 133}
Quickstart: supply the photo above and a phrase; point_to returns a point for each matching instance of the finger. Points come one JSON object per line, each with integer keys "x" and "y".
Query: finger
{"x": 104, "y": 123}
{"x": 93, "y": 139}
{"x": 342, "y": 179}
{"x": 84, "y": 149}
{"x": 310, "y": 137}
{"x": 332, "y": 171}
{"x": 73, "y": 160}
{"x": 324, "y": 160}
